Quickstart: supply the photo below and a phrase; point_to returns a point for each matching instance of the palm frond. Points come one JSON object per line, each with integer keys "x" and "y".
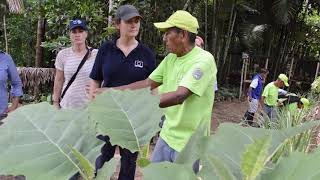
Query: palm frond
{"x": 285, "y": 10}
{"x": 251, "y": 35}
{"x": 31, "y": 77}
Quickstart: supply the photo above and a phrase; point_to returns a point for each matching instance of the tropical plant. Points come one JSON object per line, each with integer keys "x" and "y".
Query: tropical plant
{"x": 41, "y": 142}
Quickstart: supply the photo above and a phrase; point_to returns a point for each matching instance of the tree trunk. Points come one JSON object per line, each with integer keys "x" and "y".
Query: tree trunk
{"x": 186, "y": 5}
{"x": 40, "y": 38}
{"x": 5, "y": 33}
{"x": 230, "y": 32}
{"x": 206, "y": 25}
{"x": 214, "y": 28}
{"x": 109, "y": 13}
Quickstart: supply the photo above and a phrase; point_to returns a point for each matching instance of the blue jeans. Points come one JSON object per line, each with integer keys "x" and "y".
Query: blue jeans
{"x": 270, "y": 111}
{"x": 163, "y": 152}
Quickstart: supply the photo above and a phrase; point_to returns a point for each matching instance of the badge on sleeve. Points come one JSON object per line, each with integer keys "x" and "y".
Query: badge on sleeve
{"x": 197, "y": 73}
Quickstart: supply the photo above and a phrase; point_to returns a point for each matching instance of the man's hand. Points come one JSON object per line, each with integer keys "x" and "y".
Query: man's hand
{"x": 249, "y": 98}
{"x": 155, "y": 91}
{"x": 95, "y": 91}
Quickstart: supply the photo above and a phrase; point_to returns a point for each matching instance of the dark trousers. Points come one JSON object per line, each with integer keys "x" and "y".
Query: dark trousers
{"x": 2, "y": 116}
{"x": 248, "y": 116}
{"x": 128, "y": 159}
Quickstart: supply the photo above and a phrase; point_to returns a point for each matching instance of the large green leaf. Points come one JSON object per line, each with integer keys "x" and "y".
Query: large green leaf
{"x": 87, "y": 169}
{"x": 107, "y": 170}
{"x": 167, "y": 170}
{"x": 34, "y": 142}
{"x": 129, "y": 118}
{"x": 255, "y": 158}
{"x": 231, "y": 140}
{"x": 218, "y": 167}
{"x": 296, "y": 167}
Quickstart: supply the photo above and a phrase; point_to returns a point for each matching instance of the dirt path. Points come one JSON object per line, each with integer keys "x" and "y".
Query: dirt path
{"x": 228, "y": 112}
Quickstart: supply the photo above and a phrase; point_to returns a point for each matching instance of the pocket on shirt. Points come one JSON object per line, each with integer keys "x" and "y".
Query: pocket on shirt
{"x": 3, "y": 73}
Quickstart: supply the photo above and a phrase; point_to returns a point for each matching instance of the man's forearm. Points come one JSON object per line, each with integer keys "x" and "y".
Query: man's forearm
{"x": 139, "y": 85}
{"x": 174, "y": 98}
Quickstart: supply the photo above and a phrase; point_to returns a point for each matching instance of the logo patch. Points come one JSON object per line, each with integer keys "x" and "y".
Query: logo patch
{"x": 197, "y": 74}
{"x": 138, "y": 64}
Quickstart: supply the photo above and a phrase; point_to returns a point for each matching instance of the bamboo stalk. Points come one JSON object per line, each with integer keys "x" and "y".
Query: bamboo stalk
{"x": 291, "y": 67}
{"x": 5, "y": 33}
{"x": 109, "y": 13}
{"x": 317, "y": 71}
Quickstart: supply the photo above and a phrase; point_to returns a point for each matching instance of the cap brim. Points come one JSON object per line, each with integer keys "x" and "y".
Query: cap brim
{"x": 131, "y": 15}
{"x": 162, "y": 26}
{"x": 286, "y": 84}
{"x": 78, "y": 26}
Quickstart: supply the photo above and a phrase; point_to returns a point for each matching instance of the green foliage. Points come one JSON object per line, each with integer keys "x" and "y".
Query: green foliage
{"x": 136, "y": 114}
{"x": 231, "y": 140}
{"x": 57, "y": 44}
{"x": 107, "y": 170}
{"x": 34, "y": 142}
{"x": 285, "y": 10}
{"x": 315, "y": 86}
{"x": 143, "y": 159}
{"x": 295, "y": 167}
{"x": 254, "y": 158}
{"x": 166, "y": 170}
{"x": 59, "y": 14}
{"x": 219, "y": 168}
{"x": 41, "y": 142}
{"x": 87, "y": 170}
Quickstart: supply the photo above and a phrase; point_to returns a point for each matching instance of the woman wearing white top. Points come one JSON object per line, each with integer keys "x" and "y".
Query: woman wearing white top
{"x": 66, "y": 65}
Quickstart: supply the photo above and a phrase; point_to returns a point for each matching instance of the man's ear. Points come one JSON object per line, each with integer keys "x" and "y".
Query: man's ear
{"x": 184, "y": 35}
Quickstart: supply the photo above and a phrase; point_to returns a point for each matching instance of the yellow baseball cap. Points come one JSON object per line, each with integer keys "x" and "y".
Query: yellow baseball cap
{"x": 305, "y": 102}
{"x": 284, "y": 78}
{"x": 180, "y": 19}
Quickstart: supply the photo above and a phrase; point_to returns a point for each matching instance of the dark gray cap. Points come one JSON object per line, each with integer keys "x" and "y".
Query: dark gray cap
{"x": 126, "y": 12}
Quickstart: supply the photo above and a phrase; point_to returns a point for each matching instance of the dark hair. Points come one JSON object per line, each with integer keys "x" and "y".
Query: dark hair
{"x": 263, "y": 71}
{"x": 191, "y": 36}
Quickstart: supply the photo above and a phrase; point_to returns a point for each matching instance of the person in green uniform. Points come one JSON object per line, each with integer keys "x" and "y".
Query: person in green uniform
{"x": 186, "y": 76}
{"x": 270, "y": 95}
{"x": 301, "y": 104}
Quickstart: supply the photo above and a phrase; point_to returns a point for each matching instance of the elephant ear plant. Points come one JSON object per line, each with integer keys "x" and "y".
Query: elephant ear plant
{"x": 40, "y": 142}
{"x": 43, "y": 143}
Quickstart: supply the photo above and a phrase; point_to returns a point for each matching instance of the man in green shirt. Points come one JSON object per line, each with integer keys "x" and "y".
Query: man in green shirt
{"x": 186, "y": 76}
{"x": 270, "y": 95}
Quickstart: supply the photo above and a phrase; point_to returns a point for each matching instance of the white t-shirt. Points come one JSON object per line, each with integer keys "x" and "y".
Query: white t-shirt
{"x": 68, "y": 62}
{"x": 254, "y": 83}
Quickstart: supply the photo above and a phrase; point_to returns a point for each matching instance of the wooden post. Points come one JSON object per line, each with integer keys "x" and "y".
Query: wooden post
{"x": 245, "y": 57}
{"x": 267, "y": 62}
{"x": 241, "y": 81}
{"x": 317, "y": 71}
{"x": 291, "y": 67}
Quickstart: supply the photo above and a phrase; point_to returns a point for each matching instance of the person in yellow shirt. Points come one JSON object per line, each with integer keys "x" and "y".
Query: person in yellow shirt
{"x": 186, "y": 76}
{"x": 270, "y": 95}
